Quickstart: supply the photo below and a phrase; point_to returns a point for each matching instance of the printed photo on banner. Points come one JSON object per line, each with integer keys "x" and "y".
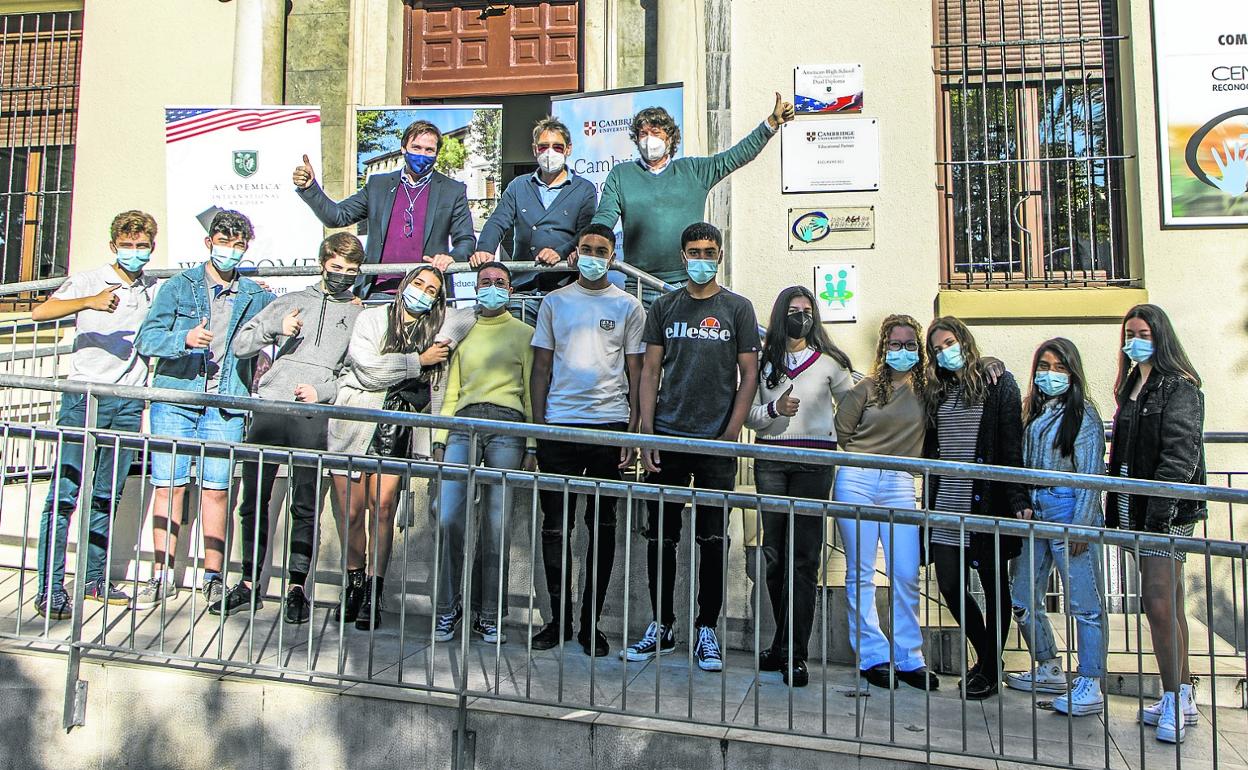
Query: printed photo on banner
{"x": 240, "y": 158}
{"x": 472, "y": 148}
{"x": 828, "y": 88}
{"x": 836, "y": 286}
{"x": 1202, "y": 87}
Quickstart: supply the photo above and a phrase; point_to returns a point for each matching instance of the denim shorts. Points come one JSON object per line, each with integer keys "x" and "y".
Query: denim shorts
{"x": 193, "y": 422}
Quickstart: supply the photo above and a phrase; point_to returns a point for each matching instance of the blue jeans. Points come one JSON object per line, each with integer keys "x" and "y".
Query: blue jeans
{"x": 1081, "y": 578}
{"x": 193, "y": 422}
{"x": 106, "y": 488}
{"x": 497, "y": 452}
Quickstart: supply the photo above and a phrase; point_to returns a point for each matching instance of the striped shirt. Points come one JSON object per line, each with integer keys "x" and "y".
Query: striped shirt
{"x": 957, "y": 427}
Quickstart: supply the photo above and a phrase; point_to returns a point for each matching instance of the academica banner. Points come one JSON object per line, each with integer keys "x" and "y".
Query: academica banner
{"x": 1202, "y": 87}
{"x": 241, "y": 158}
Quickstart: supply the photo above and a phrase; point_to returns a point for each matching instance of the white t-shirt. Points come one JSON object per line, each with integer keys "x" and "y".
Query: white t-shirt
{"x": 590, "y": 332}
{"x": 104, "y": 342}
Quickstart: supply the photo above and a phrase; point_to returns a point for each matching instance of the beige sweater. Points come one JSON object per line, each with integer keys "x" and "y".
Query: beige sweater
{"x": 896, "y": 428}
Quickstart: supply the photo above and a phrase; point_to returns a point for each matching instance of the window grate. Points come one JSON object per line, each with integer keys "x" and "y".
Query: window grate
{"x": 1031, "y": 159}
{"x": 40, "y": 56}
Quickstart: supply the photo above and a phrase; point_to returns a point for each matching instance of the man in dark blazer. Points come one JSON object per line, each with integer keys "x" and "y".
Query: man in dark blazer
{"x": 415, "y": 214}
{"x": 545, "y": 209}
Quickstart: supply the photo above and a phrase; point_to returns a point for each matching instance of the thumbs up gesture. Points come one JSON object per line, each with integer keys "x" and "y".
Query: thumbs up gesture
{"x": 786, "y": 404}
{"x": 304, "y": 176}
{"x": 782, "y": 113}
{"x": 199, "y": 337}
{"x": 106, "y": 301}
{"x": 291, "y": 323}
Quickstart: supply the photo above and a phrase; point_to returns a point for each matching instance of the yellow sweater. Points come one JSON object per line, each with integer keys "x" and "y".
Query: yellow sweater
{"x": 491, "y": 366}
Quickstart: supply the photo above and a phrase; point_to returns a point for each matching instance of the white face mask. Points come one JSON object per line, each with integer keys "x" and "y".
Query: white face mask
{"x": 551, "y": 162}
{"x": 652, "y": 148}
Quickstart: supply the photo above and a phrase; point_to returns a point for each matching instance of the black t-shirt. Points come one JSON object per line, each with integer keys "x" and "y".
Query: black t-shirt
{"x": 701, "y": 339}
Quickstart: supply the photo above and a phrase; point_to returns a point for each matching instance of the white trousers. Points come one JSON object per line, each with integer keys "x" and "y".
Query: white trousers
{"x": 862, "y": 538}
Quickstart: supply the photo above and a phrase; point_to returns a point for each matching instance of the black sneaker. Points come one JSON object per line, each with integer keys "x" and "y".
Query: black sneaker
{"x": 798, "y": 677}
{"x": 372, "y": 606}
{"x": 447, "y": 623}
{"x": 548, "y": 636}
{"x": 601, "y": 647}
{"x": 977, "y": 687}
{"x": 772, "y": 659}
{"x": 352, "y": 598}
{"x": 880, "y": 676}
{"x": 59, "y": 607}
{"x": 238, "y": 598}
{"x": 920, "y": 679}
{"x": 658, "y": 640}
{"x": 488, "y": 630}
{"x": 298, "y": 608}
{"x": 707, "y": 650}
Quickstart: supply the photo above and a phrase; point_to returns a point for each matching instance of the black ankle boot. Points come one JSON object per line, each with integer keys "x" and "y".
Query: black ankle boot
{"x": 353, "y": 597}
{"x": 371, "y": 607}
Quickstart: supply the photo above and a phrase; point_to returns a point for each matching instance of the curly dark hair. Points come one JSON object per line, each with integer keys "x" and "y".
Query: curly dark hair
{"x": 658, "y": 118}
{"x": 232, "y": 224}
{"x": 882, "y": 374}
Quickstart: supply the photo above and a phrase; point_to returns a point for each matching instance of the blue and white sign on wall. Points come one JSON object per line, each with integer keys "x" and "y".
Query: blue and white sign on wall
{"x": 825, "y": 88}
{"x": 836, "y": 286}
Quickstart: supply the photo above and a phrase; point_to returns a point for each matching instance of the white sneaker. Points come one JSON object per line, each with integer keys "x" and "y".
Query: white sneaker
{"x": 1151, "y": 715}
{"x": 1169, "y": 728}
{"x": 1047, "y": 677}
{"x": 153, "y": 592}
{"x": 1084, "y": 698}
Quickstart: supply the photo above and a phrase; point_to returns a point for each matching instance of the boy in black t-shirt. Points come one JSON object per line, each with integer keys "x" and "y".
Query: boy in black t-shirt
{"x": 704, "y": 341}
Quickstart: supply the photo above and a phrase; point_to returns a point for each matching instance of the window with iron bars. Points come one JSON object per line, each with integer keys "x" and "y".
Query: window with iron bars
{"x": 1031, "y": 160}
{"x": 39, "y": 66}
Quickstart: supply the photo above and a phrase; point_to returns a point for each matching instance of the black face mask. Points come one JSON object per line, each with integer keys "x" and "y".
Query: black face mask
{"x": 798, "y": 325}
{"x": 338, "y": 282}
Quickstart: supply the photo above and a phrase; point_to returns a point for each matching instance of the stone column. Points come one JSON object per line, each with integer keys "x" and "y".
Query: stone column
{"x": 259, "y": 51}
{"x": 681, "y": 59}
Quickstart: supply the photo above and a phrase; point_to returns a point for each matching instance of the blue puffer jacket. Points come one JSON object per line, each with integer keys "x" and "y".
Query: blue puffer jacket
{"x": 179, "y": 306}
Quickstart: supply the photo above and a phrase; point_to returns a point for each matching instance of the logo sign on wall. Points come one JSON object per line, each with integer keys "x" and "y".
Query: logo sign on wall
{"x": 836, "y": 287}
{"x": 830, "y": 155}
{"x": 1202, "y": 111}
{"x": 828, "y": 88}
{"x": 240, "y": 158}
{"x": 832, "y": 227}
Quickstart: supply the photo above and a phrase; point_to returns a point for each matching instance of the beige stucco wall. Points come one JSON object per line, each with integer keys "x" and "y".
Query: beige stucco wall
{"x": 137, "y": 57}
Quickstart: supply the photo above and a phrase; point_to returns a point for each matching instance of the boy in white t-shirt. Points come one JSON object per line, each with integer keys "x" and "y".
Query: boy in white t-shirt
{"x": 110, "y": 303}
{"x": 587, "y": 352}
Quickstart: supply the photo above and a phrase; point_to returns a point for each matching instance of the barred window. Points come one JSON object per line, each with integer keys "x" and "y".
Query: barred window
{"x": 1031, "y": 159}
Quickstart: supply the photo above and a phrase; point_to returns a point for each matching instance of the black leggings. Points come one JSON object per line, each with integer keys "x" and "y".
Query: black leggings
{"x": 952, "y": 575}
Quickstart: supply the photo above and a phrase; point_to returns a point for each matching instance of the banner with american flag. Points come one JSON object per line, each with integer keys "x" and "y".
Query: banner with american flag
{"x": 241, "y": 158}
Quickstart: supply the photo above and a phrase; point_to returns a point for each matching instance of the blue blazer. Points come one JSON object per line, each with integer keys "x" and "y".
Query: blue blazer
{"x": 180, "y": 304}
{"x": 537, "y": 227}
{"x": 448, "y": 223}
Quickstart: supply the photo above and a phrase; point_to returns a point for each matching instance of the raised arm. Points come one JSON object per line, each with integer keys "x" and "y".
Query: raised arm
{"x": 335, "y": 214}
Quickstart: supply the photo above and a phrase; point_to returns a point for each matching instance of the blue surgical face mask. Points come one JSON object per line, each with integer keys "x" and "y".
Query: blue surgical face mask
{"x": 1052, "y": 383}
{"x": 226, "y": 258}
{"x": 901, "y": 360}
{"x": 133, "y": 260}
{"x": 420, "y": 163}
{"x": 1138, "y": 350}
{"x": 592, "y": 268}
{"x": 951, "y": 358}
{"x": 416, "y": 301}
{"x": 701, "y": 271}
{"x": 492, "y": 297}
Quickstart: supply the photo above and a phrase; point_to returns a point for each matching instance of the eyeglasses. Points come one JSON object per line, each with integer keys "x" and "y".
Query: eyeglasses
{"x": 501, "y": 283}
{"x": 912, "y": 346}
{"x": 557, "y": 147}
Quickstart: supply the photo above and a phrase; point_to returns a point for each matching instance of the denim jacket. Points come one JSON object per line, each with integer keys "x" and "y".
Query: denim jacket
{"x": 179, "y": 306}
{"x": 1089, "y": 455}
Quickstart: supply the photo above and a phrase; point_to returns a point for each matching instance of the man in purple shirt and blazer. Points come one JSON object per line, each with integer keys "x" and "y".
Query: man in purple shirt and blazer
{"x": 415, "y": 214}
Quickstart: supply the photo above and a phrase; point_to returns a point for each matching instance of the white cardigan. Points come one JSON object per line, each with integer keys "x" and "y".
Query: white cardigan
{"x": 819, "y": 384}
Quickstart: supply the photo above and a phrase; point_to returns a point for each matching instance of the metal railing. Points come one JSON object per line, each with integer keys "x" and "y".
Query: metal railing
{"x": 939, "y": 726}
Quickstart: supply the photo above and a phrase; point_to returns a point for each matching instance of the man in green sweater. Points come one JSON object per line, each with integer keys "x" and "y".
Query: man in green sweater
{"x": 658, "y": 196}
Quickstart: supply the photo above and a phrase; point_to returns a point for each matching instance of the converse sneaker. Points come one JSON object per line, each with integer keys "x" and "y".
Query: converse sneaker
{"x": 103, "y": 591}
{"x": 488, "y": 630}
{"x": 1171, "y": 728}
{"x": 153, "y": 592}
{"x": 1083, "y": 699}
{"x": 707, "y": 650}
{"x": 1151, "y": 715}
{"x": 1047, "y": 677}
{"x": 447, "y": 623}
{"x": 657, "y": 640}
{"x": 58, "y": 607}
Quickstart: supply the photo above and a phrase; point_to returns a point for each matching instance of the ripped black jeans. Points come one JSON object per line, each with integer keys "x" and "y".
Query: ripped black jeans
{"x": 706, "y": 472}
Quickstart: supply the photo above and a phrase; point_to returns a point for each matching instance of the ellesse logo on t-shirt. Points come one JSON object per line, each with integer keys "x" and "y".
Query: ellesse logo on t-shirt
{"x": 708, "y": 329}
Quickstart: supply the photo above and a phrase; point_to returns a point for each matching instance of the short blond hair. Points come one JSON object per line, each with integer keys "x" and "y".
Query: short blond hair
{"x": 132, "y": 223}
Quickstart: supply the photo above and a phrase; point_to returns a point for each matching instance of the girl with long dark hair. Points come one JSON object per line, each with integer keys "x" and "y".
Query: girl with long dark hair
{"x": 972, "y": 419}
{"x": 1158, "y": 435}
{"x": 1063, "y": 433}
{"x": 884, "y": 414}
{"x": 391, "y": 358}
{"x": 802, "y": 376}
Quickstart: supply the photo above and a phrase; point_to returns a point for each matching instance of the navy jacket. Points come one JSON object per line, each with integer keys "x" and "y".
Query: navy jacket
{"x": 537, "y": 227}
{"x": 448, "y": 223}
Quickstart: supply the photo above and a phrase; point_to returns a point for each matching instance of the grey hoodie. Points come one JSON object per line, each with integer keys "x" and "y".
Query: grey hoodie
{"x": 312, "y": 357}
